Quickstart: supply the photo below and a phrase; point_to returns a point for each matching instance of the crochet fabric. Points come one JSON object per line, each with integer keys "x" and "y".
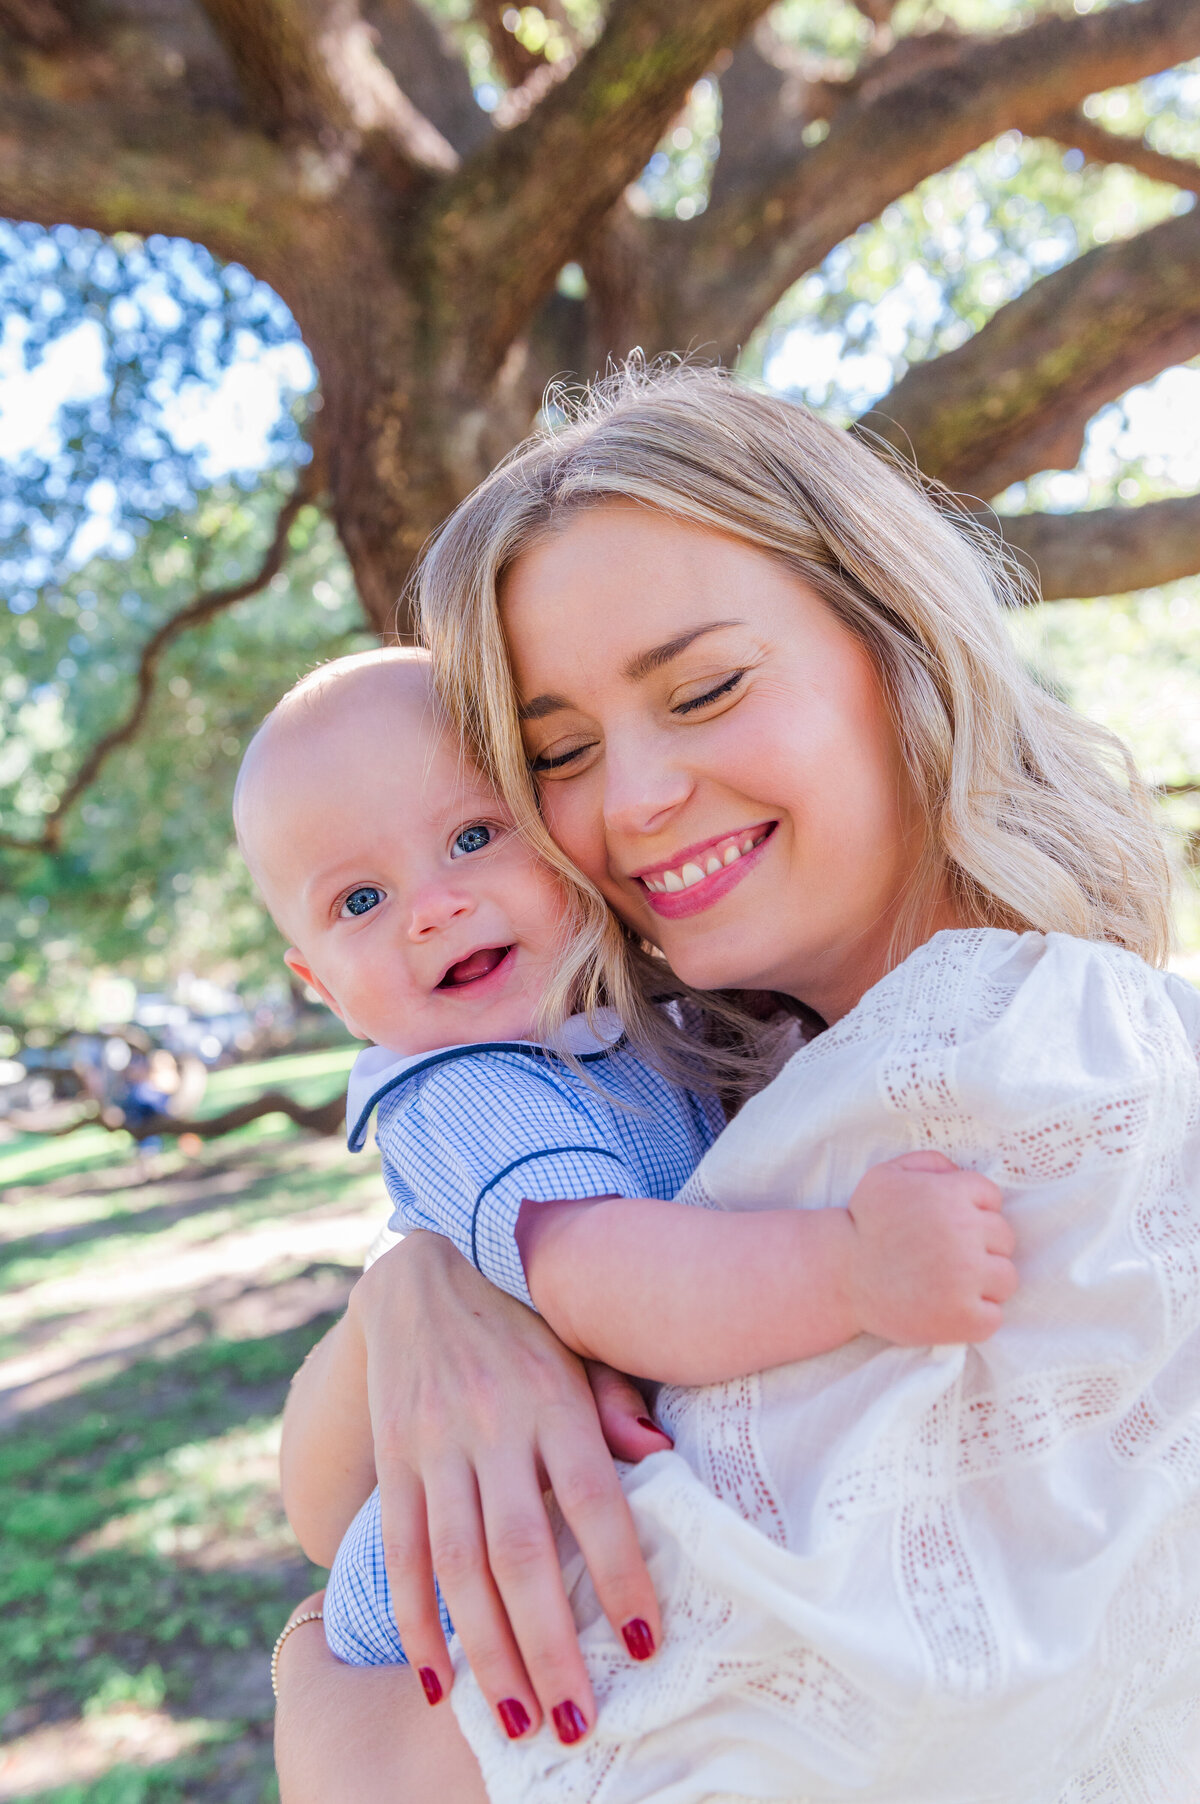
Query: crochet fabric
{"x": 958, "y": 1575}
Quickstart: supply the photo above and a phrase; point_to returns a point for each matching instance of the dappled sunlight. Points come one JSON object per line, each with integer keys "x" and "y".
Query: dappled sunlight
{"x": 85, "y": 1748}
{"x": 211, "y": 1504}
{"x": 146, "y": 1564}
{"x": 99, "y": 1270}
{"x": 154, "y": 1314}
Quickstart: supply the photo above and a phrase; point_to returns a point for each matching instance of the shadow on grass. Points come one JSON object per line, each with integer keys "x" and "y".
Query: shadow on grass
{"x": 72, "y": 1620}
{"x": 33, "y": 1258}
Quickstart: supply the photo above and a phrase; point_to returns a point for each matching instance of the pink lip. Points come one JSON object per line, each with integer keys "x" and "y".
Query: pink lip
{"x": 476, "y": 984}
{"x": 680, "y": 903}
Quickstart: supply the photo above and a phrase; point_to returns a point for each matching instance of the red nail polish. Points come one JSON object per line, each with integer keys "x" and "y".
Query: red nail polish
{"x": 569, "y": 1722}
{"x": 645, "y": 1422}
{"x": 638, "y": 1638}
{"x": 433, "y": 1685}
{"x": 514, "y": 1716}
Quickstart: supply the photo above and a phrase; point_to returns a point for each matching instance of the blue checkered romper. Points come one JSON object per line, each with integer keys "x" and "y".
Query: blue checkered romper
{"x": 469, "y": 1133}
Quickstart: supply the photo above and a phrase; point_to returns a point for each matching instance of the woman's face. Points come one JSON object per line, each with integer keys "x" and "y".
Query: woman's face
{"x": 713, "y": 750}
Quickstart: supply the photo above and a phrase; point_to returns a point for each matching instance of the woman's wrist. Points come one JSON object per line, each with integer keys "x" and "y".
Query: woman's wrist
{"x": 412, "y": 1263}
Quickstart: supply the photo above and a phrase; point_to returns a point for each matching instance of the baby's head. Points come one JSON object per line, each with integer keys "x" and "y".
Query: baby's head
{"x": 413, "y": 905}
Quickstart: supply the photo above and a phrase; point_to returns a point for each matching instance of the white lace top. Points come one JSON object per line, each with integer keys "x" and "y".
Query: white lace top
{"x": 955, "y": 1575}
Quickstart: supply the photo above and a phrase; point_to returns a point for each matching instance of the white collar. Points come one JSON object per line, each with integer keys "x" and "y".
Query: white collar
{"x": 378, "y": 1069}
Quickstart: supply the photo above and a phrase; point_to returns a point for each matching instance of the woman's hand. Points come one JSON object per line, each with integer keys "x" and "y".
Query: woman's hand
{"x": 476, "y": 1409}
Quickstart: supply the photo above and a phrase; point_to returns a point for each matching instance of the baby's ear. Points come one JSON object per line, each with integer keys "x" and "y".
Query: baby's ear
{"x": 294, "y": 960}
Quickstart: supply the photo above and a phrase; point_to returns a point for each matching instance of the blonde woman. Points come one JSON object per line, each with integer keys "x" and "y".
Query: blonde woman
{"x": 698, "y": 618}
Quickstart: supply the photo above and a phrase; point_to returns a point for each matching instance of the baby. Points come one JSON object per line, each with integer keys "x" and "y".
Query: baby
{"x": 550, "y": 1153}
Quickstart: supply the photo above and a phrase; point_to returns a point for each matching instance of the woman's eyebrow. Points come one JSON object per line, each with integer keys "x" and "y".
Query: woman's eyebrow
{"x": 637, "y": 667}
{"x": 540, "y": 706}
{"x": 658, "y": 655}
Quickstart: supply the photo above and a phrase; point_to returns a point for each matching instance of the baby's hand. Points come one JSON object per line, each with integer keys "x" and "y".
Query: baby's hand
{"x": 932, "y": 1260}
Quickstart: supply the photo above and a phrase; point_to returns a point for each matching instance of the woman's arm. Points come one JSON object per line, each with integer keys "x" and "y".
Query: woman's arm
{"x": 362, "y": 1735}
{"x": 474, "y": 1408}
{"x": 327, "y": 1456}
{"x": 920, "y": 1256}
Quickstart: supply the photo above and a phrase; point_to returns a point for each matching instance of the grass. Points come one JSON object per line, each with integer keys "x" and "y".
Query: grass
{"x": 159, "y": 1310}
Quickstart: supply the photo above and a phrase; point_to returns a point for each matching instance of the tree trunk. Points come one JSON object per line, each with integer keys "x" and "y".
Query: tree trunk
{"x": 419, "y": 248}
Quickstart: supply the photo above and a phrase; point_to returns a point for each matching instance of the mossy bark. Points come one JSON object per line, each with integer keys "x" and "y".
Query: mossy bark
{"x": 419, "y": 251}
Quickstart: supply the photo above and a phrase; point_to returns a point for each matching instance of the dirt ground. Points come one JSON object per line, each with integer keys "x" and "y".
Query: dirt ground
{"x": 153, "y": 1312}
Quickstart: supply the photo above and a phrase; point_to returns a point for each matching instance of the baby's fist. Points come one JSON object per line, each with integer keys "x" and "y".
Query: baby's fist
{"x": 933, "y": 1256}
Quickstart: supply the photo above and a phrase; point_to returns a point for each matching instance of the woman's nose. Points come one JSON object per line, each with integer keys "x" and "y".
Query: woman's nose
{"x": 435, "y": 908}
{"x": 642, "y": 789}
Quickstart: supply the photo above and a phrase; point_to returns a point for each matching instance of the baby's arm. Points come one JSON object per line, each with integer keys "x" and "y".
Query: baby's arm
{"x": 920, "y": 1256}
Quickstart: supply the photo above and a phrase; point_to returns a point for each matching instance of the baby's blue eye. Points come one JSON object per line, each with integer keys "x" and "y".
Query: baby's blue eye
{"x": 471, "y": 839}
{"x": 361, "y": 901}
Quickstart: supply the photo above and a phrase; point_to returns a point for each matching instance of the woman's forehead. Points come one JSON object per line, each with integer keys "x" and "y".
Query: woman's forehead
{"x": 626, "y": 588}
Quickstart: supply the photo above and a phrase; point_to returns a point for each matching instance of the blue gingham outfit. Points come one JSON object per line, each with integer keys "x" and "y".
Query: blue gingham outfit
{"x": 467, "y": 1134}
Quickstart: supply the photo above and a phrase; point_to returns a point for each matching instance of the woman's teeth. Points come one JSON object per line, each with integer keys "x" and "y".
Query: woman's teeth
{"x": 725, "y": 852}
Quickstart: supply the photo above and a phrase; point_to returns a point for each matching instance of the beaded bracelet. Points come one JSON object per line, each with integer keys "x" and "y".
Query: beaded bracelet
{"x": 308, "y": 1616}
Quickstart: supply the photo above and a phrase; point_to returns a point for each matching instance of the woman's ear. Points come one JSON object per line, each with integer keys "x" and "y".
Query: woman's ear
{"x": 294, "y": 960}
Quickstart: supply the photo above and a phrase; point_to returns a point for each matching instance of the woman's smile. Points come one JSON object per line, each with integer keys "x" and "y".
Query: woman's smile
{"x": 701, "y": 874}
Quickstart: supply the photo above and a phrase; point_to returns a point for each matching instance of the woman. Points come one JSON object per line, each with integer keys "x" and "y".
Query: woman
{"x": 700, "y": 611}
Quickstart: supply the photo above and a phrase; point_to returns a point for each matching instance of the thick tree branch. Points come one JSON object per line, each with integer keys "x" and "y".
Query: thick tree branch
{"x": 1107, "y": 550}
{"x": 1102, "y": 146}
{"x": 763, "y": 114}
{"x": 201, "y": 609}
{"x": 318, "y": 1118}
{"x": 1017, "y": 396}
{"x": 426, "y": 64}
{"x": 501, "y": 229}
{"x": 512, "y": 59}
{"x": 42, "y": 23}
{"x": 740, "y": 257}
{"x": 309, "y": 72}
{"x": 186, "y": 174}
{"x": 770, "y": 93}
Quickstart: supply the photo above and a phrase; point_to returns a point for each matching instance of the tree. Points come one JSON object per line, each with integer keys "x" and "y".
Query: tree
{"x": 145, "y": 878}
{"x": 336, "y": 150}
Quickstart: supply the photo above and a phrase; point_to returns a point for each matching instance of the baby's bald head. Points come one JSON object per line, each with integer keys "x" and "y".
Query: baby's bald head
{"x": 333, "y": 726}
{"x": 412, "y": 904}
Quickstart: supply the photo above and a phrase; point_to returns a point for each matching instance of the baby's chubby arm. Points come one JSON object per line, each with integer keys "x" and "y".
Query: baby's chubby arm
{"x": 921, "y": 1255}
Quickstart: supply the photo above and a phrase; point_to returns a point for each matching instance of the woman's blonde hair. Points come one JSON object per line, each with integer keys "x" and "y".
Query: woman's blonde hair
{"x": 1037, "y": 816}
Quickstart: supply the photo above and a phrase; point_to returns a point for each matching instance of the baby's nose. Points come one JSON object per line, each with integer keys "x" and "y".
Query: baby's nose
{"x": 434, "y": 909}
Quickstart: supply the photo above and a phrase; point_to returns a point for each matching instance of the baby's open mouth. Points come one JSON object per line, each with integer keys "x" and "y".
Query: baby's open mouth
{"x": 474, "y": 966}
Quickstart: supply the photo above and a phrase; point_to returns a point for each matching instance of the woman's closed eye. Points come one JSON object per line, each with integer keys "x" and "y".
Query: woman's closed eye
{"x": 360, "y": 901}
{"x": 553, "y": 758}
{"x": 690, "y": 704}
{"x": 567, "y": 758}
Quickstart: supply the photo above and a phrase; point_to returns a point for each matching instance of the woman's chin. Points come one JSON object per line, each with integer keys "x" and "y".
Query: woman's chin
{"x": 704, "y": 961}
{"x": 716, "y": 968}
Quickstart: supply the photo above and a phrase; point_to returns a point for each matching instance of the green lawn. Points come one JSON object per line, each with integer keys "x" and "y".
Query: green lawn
{"x": 154, "y": 1312}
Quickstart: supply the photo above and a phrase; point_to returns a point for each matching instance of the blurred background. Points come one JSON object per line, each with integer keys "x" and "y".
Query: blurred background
{"x": 278, "y": 284}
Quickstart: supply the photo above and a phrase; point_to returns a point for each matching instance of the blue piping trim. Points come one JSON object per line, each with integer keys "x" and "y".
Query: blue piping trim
{"x": 543, "y": 1152}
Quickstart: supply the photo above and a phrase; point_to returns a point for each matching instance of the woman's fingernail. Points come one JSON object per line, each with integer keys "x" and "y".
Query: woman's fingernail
{"x": 432, "y": 1685}
{"x": 645, "y": 1422}
{"x": 638, "y": 1638}
{"x": 569, "y": 1722}
{"x": 514, "y": 1716}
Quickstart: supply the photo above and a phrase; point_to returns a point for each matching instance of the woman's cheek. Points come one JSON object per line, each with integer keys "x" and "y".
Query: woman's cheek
{"x": 576, "y": 827}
